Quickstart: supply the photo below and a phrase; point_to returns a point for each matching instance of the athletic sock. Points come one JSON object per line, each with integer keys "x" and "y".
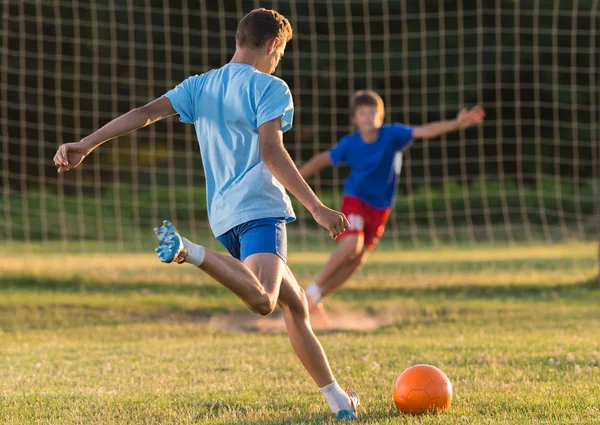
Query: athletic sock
{"x": 314, "y": 293}
{"x": 336, "y": 397}
{"x": 195, "y": 253}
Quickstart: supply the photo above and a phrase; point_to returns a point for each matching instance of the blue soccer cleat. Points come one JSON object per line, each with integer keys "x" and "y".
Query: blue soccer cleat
{"x": 350, "y": 415}
{"x": 170, "y": 247}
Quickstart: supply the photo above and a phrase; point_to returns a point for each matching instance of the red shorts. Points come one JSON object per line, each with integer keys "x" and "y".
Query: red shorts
{"x": 365, "y": 220}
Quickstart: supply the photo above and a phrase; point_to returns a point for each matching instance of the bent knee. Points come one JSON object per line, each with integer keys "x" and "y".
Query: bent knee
{"x": 263, "y": 305}
{"x": 353, "y": 245}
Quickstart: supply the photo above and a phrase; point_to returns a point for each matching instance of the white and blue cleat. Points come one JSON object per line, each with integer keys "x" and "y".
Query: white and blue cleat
{"x": 170, "y": 248}
{"x": 350, "y": 415}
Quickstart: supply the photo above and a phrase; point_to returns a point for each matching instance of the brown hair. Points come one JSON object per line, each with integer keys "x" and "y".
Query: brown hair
{"x": 366, "y": 98}
{"x": 261, "y": 25}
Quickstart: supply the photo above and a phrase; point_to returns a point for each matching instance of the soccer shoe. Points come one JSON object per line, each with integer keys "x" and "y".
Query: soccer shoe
{"x": 170, "y": 247}
{"x": 350, "y": 415}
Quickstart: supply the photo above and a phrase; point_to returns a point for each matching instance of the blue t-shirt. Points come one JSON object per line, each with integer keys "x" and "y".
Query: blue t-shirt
{"x": 226, "y": 106}
{"x": 374, "y": 167}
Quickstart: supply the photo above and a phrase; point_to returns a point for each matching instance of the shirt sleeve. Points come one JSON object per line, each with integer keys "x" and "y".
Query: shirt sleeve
{"x": 274, "y": 103}
{"x": 339, "y": 153}
{"x": 403, "y": 135}
{"x": 183, "y": 97}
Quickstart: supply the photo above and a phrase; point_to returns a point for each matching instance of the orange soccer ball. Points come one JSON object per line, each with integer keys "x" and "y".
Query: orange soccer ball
{"x": 422, "y": 388}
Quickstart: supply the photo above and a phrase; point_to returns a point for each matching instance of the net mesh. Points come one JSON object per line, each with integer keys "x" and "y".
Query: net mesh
{"x": 528, "y": 174}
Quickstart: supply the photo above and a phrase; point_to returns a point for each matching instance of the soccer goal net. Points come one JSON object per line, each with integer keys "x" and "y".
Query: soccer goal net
{"x": 529, "y": 174}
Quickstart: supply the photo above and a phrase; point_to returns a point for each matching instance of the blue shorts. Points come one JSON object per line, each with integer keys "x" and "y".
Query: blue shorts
{"x": 266, "y": 235}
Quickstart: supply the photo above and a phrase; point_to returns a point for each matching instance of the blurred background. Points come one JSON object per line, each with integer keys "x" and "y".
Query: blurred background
{"x": 529, "y": 174}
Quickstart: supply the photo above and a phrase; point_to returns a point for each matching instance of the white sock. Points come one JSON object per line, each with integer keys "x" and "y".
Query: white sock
{"x": 336, "y": 397}
{"x": 195, "y": 253}
{"x": 314, "y": 292}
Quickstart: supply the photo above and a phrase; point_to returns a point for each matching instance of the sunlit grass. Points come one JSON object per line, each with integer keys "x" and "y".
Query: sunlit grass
{"x": 123, "y": 339}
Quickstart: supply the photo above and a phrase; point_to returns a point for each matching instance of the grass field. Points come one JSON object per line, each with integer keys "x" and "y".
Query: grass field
{"x": 97, "y": 339}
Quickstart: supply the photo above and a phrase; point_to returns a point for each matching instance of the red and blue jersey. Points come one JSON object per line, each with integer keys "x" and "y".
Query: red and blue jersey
{"x": 374, "y": 167}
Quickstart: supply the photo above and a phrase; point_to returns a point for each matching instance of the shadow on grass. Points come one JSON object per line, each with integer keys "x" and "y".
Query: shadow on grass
{"x": 586, "y": 289}
{"x": 578, "y": 290}
{"x": 288, "y": 415}
{"x": 323, "y": 419}
{"x": 291, "y": 420}
{"x": 464, "y": 266}
{"x": 220, "y": 309}
{"x": 472, "y": 266}
{"x": 93, "y": 286}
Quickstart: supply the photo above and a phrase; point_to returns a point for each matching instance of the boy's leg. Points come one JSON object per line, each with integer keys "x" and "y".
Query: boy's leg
{"x": 341, "y": 275}
{"x": 294, "y": 308}
{"x": 344, "y": 273}
{"x": 349, "y": 248}
{"x": 267, "y": 267}
{"x": 258, "y": 282}
{"x": 258, "y": 291}
{"x": 351, "y": 244}
{"x": 373, "y": 225}
{"x": 228, "y": 271}
{"x": 263, "y": 246}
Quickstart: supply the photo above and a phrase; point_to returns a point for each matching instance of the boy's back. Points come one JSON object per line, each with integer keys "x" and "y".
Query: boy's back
{"x": 227, "y": 106}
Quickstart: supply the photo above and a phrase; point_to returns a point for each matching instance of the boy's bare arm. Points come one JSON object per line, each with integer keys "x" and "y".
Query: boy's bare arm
{"x": 464, "y": 119}
{"x": 316, "y": 164}
{"x": 70, "y": 155}
{"x": 277, "y": 159}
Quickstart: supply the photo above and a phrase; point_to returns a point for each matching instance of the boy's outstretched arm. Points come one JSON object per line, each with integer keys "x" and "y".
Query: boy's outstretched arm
{"x": 316, "y": 164}
{"x": 70, "y": 155}
{"x": 464, "y": 119}
{"x": 277, "y": 159}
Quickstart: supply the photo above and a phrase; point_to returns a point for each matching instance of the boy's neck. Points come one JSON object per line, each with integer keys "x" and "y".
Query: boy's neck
{"x": 245, "y": 56}
{"x": 369, "y": 136}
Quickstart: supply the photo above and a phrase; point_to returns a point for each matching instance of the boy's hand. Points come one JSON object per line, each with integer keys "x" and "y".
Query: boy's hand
{"x": 69, "y": 156}
{"x": 468, "y": 118}
{"x": 331, "y": 220}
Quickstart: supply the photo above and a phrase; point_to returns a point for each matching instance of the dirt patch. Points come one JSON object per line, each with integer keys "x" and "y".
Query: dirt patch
{"x": 274, "y": 323}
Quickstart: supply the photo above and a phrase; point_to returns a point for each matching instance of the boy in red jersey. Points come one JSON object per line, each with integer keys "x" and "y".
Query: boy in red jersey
{"x": 374, "y": 155}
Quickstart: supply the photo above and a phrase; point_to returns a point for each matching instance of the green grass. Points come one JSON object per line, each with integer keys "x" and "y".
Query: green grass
{"x": 122, "y": 339}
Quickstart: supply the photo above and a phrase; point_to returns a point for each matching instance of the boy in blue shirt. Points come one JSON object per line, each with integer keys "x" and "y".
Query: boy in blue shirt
{"x": 240, "y": 112}
{"x": 374, "y": 155}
